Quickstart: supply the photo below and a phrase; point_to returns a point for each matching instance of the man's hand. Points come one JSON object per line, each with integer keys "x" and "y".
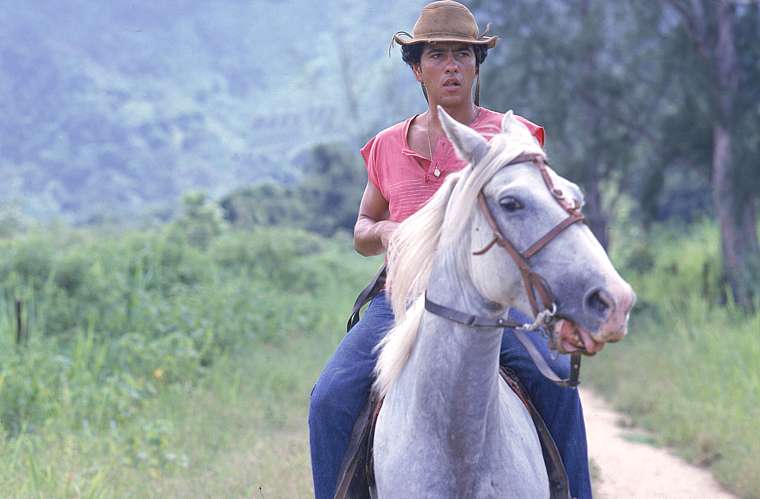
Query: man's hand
{"x": 387, "y": 228}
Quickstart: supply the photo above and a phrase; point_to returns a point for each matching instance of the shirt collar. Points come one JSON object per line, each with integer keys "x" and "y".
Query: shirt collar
{"x": 408, "y": 151}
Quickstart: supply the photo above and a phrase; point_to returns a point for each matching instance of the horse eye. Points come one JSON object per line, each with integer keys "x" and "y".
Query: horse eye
{"x": 510, "y": 204}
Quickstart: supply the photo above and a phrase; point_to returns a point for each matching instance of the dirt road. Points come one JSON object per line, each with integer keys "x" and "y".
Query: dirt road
{"x": 630, "y": 469}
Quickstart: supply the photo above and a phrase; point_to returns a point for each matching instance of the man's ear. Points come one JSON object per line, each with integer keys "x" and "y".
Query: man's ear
{"x": 417, "y": 70}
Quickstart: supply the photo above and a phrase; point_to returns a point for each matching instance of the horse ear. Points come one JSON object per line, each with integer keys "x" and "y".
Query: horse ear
{"x": 469, "y": 144}
{"x": 508, "y": 122}
{"x": 510, "y": 125}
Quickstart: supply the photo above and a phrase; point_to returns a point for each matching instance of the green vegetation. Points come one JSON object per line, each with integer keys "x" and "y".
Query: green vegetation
{"x": 177, "y": 362}
{"x": 324, "y": 200}
{"x": 151, "y": 354}
{"x": 689, "y": 368}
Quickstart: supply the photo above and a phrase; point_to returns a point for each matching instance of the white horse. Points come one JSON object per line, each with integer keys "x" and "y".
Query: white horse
{"x": 449, "y": 426}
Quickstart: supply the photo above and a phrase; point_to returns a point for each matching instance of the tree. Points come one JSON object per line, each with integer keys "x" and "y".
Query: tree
{"x": 199, "y": 222}
{"x": 264, "y": 204}
{"x": 575, "y": 66}
{"x": 711, "y": 27}
{"x": 325, "y": 199}
{"x": 658, "y": 99}
{"x": 331, "y": 188}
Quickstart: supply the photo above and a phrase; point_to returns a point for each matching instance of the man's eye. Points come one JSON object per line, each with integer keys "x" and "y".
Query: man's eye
{"x": 510, "y": 204}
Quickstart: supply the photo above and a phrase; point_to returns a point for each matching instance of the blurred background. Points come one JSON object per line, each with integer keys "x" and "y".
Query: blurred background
{"x": 179, "y": 181}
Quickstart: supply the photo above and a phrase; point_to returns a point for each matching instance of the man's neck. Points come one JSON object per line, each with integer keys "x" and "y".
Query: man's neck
{"x": 465, "y": 114}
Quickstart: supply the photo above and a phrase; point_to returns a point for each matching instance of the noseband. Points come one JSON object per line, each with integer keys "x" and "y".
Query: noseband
{"x": 539, "y": 293}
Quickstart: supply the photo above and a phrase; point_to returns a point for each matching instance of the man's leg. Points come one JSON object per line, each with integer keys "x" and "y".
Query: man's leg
{"x": 340, "y": 394}
{"x": 560, "y": 407}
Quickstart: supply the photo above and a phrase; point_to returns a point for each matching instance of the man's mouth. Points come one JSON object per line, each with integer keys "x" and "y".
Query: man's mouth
{"x": 452, "y": 83}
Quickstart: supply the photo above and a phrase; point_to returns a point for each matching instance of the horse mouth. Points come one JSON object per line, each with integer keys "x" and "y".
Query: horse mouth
{"x": 569, "y": 337}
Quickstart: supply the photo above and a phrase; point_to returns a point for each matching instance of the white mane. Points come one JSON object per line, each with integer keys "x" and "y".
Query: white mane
{"x": 439, "y": 223}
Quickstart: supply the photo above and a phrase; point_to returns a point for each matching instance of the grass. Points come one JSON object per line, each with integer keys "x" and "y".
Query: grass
{"x": 237, "y": 434}
{"x": 688, "y": 370}
{"x": 158, "y": 369}
{"x": 190, "y": 375}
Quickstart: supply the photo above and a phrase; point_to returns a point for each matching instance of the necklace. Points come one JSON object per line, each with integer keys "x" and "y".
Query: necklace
{"x": 437, "y": 172}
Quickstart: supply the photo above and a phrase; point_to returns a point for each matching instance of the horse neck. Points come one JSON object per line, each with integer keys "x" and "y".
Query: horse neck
{"x": 456, "y": 368}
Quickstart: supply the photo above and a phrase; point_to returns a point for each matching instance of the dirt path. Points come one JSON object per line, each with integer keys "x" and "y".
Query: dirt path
{"x": 629, "y": 469}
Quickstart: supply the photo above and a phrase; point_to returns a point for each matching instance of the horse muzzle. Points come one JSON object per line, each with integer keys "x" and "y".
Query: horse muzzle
{"x": 601, "y": 318}
{"x": 610, "y": 307}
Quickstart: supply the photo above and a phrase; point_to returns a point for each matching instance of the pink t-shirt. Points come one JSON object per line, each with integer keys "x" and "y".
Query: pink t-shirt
{"x": 405, "y": 178}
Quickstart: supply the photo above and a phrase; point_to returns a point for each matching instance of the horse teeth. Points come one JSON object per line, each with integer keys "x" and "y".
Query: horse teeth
{"x": 578, "y": 340}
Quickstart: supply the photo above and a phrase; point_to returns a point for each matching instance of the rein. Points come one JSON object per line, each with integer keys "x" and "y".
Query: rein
{"x": 519, "y": 330}
{"x": 539, "y": 293}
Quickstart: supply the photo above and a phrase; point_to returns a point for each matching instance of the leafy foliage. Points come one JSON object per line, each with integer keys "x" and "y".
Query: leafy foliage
{"x": 199, "y": 222}
{"x": 264, "y": 204}
{"x": 324, "y": 201}
{"x": 624, "y": 95}
{"x": 683, "y": 331}
{"x": 112, "y": 320}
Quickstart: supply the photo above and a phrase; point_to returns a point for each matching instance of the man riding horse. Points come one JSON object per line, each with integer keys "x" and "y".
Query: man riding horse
{"x": 406, "y": 163}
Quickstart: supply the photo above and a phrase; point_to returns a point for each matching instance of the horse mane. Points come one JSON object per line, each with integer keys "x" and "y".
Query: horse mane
{"x": 440, "y": 223}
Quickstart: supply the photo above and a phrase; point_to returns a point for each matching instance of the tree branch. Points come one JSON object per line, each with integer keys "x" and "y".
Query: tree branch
{"x": 637, "y": 128}
{"x": 696, "y": 27}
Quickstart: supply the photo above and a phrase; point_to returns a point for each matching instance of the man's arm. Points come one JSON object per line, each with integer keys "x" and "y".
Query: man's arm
{"x": 372, "y": 230}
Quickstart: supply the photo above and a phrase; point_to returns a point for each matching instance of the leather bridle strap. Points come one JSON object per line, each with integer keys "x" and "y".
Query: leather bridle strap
{"x": 574, "y": 217}
{"x": 536, "y": 287}
{"x": 572, "y": 381}
{"x": 533, "y": 282}
{"x": 468, "y": 319}
{"x": 500, "y": 322}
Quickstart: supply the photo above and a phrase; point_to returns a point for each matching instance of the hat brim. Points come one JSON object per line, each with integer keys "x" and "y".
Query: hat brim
{"x": 489, "y": 41}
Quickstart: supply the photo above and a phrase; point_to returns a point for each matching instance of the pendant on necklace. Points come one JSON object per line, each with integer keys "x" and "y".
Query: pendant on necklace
{"x": 437, "y": 172}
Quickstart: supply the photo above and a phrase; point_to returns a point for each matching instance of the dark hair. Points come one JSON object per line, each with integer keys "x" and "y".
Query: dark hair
{"x": 411, "y": 54}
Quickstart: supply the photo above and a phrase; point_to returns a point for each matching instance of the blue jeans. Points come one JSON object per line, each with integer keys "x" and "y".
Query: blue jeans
{"x": 344, "y": 385}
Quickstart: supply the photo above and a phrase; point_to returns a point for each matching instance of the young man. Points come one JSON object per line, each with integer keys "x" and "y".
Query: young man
{"x": 406, "y": 164}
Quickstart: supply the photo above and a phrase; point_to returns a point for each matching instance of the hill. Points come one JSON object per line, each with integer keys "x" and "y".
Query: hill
{"x": 114, "y": 109}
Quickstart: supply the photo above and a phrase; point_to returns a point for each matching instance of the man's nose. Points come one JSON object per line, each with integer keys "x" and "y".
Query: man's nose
{"x": 451, "y": 62}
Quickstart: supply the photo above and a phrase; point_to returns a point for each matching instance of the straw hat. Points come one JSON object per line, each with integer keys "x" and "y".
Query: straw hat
{"x": 445, "y": 21}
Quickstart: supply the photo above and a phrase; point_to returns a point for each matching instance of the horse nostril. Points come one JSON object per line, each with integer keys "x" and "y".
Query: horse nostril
{"x": 599, "y": 302}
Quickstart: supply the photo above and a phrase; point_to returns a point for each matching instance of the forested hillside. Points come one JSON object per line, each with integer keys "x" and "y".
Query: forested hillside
{"x": 111, "y": 110}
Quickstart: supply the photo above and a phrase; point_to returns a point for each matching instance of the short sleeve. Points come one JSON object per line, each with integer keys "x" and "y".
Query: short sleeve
{"x": 536, "y": 130}
{"x": 370, "y": 155}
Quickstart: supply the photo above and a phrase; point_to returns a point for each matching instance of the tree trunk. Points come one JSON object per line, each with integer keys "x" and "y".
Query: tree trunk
{"x": 737, "y": 220}
{"x": 597, "y": 220}
{"x": 736, "y": 213}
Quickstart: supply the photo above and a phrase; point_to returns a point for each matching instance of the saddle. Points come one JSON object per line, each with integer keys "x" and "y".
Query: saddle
{"x": 356, "y": 479}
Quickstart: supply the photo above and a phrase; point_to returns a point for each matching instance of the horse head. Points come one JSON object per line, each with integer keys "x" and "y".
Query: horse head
{"x": 545, "y": 258}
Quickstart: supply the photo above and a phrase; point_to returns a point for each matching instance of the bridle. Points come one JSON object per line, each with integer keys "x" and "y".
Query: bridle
{"x": 539, "y": 293}
{"x": 533, "y": 281}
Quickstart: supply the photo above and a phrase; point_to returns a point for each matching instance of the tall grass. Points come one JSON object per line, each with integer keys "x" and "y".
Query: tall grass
{"x": 157, "y": 367}
{"x": 125, "y": 330}
{"x": 689, "y": 368}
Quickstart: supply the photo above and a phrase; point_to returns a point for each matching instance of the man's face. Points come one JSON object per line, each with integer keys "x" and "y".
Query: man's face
{"x": 448, "y": 70}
